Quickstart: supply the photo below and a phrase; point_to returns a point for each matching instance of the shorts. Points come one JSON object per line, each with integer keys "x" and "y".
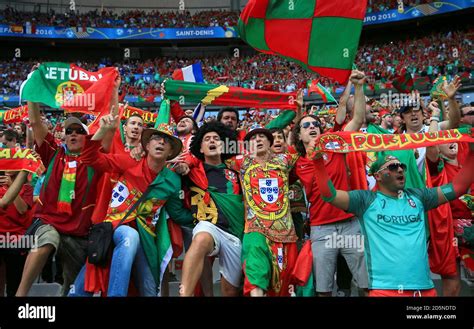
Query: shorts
{"x": 72, "y": 250}
{"x": 267, "y": 264}
{"x": 400, "y": 293}
{"x": 227, "y": 247}
{"x": 326, "y": 244}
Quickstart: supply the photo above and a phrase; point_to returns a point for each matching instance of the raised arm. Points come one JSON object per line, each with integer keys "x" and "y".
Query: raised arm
{"x": 454, "y": 111}
{"x": 14, "y": 189}
{"x": 92, "y": 156}
{"x": 342, "y": 108}
{"x": 432, "y": 152}
{"x": 461, "y": 182}
{"x": 358, "y": 118}
{"x": 114, "y": 111}
{"x": 39, "y": 128}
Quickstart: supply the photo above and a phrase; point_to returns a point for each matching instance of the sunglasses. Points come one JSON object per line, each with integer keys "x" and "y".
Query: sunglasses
{"x": 158, "y": 137}
{"x": 394, "y": 167}
{"x": 79, "y": 131}
{"x": 307, "y": 124}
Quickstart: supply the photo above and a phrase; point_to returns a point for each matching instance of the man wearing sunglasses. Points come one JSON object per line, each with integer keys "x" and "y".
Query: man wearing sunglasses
{"x": 393, "y": 223}
{"x": 66, "y": 201}
{"x": 134, "y": 178}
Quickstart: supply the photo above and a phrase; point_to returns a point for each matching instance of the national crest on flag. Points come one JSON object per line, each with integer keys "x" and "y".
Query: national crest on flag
{"x": 269, "y": 189}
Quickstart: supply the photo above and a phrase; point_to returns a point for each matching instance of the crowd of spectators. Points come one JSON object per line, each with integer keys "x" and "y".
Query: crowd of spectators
{"x": 128, "y": 19}
{"x": 434, "y": 54}
{"x": 153, "y": 18}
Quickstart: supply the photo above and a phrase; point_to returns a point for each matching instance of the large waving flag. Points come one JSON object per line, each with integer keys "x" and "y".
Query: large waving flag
{"x": 227, "y": 96}
{"x": 191, "y": 73}
{"x": 321, "y": 35}
{"x": 67, "y": 86}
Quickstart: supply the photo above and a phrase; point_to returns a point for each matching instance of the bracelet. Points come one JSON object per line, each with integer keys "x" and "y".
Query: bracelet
{"x": 434, "y": 119}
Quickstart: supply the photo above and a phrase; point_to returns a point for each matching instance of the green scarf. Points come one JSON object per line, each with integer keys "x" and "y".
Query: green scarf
{"x": 68, "y": 184}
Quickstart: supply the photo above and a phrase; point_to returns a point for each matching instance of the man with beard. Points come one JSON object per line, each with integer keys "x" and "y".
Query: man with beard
{"x": 393, "y": 223}
{"x": 134, "y": 179}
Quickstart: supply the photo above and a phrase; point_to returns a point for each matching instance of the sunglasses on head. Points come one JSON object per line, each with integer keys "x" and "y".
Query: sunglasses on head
{"x": 394, "y": 167}
{"x": 79, "y": 131}
{"x": 307, "y": 124}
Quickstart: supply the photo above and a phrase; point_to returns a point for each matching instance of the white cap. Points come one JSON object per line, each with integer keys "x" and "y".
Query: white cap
{"x": 73, "y": 120}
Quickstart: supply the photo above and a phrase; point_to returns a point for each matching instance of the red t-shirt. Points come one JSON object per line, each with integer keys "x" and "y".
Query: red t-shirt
{"x": 108, "y": 181}
{"x": 111, "y": 170}
{"x": 10, "y": 219}
{"x": 79, "y": 222}
{"x": 322, "y": 212}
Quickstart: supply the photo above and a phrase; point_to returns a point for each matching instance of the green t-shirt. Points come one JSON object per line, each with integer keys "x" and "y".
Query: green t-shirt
{"x": 395, "y": 237}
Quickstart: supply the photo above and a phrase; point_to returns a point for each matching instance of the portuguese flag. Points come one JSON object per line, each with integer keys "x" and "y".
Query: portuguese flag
{"x": 315, "y": 87}
{"x": 206, "y": 94}
{"x": 67, "y": 86}
{"x": 320, "y": 35}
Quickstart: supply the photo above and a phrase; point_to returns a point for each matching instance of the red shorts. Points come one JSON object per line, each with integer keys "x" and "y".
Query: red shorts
{"x": 403, "y": 293}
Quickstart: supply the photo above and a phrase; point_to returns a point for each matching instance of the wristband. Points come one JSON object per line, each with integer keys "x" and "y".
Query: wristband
{"x": 448, "y": 191}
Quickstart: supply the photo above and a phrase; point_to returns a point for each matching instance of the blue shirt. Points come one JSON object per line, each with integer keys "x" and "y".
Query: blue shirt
{"x": 395, "y": 237}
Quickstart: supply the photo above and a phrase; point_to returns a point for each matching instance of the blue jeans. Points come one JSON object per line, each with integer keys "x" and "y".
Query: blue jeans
{"x": 128, "y": 254}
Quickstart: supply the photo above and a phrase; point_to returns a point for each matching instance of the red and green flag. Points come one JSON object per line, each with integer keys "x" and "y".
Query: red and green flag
{"x": 315, "y": 87}
{"x": 67, "y": 86}
{"x": 15, "y": 115}
{"x": 403, "y": 82}
{"x": 421, "y": 83}
{"x": 321, "y": 35}
{"x": 207, "y": 94}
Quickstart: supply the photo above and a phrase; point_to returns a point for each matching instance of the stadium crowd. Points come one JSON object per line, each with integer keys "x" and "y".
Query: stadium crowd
{"x": 152, "y": 18}
{"x": 217, "y": 182}
{"x": 439, "y": 53}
